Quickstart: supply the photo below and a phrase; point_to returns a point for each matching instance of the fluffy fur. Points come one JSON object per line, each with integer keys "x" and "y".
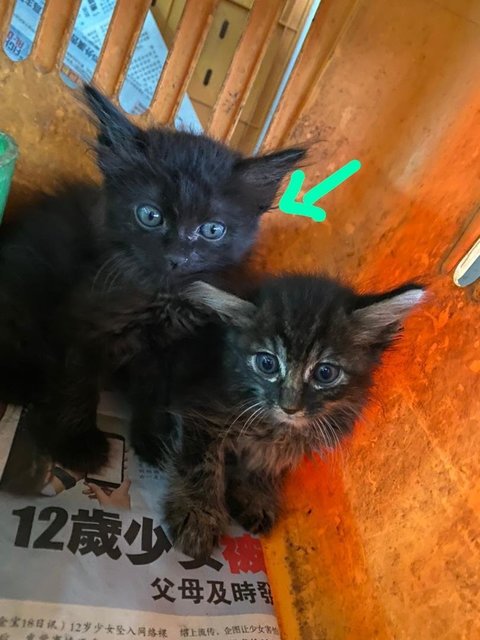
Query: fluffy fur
{"x": 75, "y": 264}
{"x": 244, "y": 428}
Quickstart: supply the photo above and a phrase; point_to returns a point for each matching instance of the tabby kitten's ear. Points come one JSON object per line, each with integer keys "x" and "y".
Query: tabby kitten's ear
{"x": 117, "y": 137}
{"x": 379, "y": 317}
{"x": 262, "y": 175}
{"x": 231, "y": 309}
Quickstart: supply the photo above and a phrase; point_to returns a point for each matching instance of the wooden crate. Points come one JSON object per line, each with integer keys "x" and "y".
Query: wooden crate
{"x": 228, "y": 24}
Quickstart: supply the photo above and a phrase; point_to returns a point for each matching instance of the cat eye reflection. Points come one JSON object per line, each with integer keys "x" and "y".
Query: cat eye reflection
{"x": 266, "y": 363}
{"x": 212, "y": 230}
{"x": 148, "y": 217}
{"x": 326, "y": 373}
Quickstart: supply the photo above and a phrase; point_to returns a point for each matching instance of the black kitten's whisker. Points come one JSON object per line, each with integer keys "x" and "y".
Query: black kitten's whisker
{"x": 115, "y": 269}
{"x": 112, "y": 276}
{"x": 122, "y": 266}
{"x": 101, "y": 269}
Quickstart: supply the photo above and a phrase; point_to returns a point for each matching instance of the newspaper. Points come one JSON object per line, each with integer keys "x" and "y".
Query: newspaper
{"x": 84, "y": 49}
{"x": 88, "y": 558}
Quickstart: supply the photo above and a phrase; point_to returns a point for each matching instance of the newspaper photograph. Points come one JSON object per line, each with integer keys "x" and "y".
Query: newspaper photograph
{"x": 87, "y": 557}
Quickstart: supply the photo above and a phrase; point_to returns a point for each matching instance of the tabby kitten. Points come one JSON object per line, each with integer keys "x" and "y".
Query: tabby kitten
{"x": 172, "y": 205}
{"x": 288, "y": 376}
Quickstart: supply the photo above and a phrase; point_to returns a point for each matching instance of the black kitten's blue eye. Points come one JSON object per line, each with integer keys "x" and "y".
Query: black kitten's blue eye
{"x": 326, "y": 373}
{"x": 266, "y": 363}
{"x": 212, "y": 230}
{"x": 148, "y": 217}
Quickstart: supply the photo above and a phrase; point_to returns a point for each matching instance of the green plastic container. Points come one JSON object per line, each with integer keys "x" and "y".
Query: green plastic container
{"x": 8, "y": 157}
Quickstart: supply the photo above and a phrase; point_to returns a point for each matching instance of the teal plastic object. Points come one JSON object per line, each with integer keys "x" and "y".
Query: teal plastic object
{"x": 8, "y": 157}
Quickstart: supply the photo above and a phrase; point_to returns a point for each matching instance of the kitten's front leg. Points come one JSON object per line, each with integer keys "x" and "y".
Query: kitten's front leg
{"x": 253, "y": 500}
{"x": 152, "y": 433}
{"x": 65, "y": 420}
{"x": 194, "y": 510}
{"x": 152, "y": 428}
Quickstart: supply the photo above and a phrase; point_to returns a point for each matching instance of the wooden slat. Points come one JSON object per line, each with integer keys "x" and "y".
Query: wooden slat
{"x": 293, "y": 16}
{"x": 53, "y": 33}
{"x": 331, "y": 20}
{"x": 6, "y": 11}
{"x": 182, "y": 58}
{"x": 122, "y": 35}
{"x": 246, "y": 62}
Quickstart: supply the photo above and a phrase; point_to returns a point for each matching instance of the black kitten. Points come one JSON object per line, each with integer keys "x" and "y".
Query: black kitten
{"x": 172, "y": 205}
{"x": 289, "y": 376}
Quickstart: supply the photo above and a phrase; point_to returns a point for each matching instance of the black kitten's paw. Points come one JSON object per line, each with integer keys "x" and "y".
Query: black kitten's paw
{"x": 195, "y": 532}
{"x": 149, "y": 448}
{"x": 87, "y": 452}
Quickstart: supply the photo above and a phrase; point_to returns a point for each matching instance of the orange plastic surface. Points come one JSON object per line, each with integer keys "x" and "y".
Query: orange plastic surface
{"x": 383, "y": 540}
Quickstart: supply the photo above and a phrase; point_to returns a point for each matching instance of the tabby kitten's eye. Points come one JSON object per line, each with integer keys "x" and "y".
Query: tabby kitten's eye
{"x": 266, "y": 363}
{"x": 326, "y": 373}
{"x": 148, "y": 217}
{"x": 212, "y": 230}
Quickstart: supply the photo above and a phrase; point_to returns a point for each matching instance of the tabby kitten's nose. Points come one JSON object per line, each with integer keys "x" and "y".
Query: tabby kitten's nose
{"x": 290, "y": 410}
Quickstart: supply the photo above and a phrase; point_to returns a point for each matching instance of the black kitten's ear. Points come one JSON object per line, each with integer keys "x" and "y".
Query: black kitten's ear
{"x": 230, "y": 308}
{"x": 262, "y": 175}
{"x": 380, "y": 316}
{"x": 117, "y": 136}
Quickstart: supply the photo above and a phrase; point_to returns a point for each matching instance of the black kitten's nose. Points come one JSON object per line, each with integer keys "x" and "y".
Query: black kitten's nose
{"x": 176, "y": 262}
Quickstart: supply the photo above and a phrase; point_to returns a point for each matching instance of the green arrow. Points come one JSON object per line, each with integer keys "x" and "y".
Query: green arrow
{"x": 289, "y": 204}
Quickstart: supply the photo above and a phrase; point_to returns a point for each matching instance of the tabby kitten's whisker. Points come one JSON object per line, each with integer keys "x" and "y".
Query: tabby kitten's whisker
{"x": 250, "y": 421}
{"x": 230, "y": 428}
{"x": 240, "y": 415}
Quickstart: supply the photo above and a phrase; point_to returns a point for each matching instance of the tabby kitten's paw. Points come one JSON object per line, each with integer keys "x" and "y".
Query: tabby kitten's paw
{"x": 86, "y": 452}
{"x": 259, "y": 522}
{"x": 255, "y": 512}
{"x": 196, "y": 532}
